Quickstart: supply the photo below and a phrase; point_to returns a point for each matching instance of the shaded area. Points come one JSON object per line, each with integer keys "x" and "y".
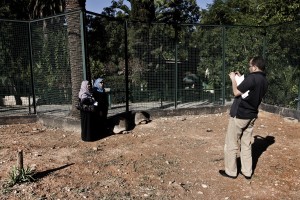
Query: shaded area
{"x": 40, "y": 175}
{"x": 259, "y": 146}
{"x": 127, "y": 118}
{"x": 95, "y": 128}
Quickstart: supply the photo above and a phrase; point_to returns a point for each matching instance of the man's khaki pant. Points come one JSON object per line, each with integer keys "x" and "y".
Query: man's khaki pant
{"x": 239, "y": 136}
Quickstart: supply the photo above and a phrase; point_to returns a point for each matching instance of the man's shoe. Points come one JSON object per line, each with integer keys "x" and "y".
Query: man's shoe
{"x": 223, "y": 173}
{"x": 246, "y": 177}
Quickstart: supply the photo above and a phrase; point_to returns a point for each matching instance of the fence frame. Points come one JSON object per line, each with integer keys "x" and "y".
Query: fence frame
{"x": 85, "y": 59}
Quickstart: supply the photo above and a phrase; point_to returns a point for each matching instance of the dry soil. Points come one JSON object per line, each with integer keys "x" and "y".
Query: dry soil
{"x": 167, "y": 158}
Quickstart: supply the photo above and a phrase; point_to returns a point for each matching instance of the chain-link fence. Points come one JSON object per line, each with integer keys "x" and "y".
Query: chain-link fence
{"x": 188, "y": 66}
{"x": 35, "y": 66}
{"x": 51, "y": 67}
{"x": 283, "y": 54}
{"x": 15, "y": 75}
{"x": 145, "y": 66}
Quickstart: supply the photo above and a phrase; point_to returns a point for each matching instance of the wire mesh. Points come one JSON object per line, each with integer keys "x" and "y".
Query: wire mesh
{"x": 51, "y": 68}
{"x": 169, "y": 66}
{"x": 106, "y": 50}
{"x": 15, "y": 82}
{"x": 241, "y": 43}
{"x": 283, "y": 54}
{"x": 152, "y": 66}
{"x": 187, "y": 66}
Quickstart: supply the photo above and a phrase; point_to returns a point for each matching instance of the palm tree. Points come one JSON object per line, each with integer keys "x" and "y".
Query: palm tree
{"x": 75, "y": 50}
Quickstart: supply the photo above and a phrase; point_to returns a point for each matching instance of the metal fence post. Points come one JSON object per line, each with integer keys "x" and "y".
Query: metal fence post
{"x": 31, "y": 70}
{"x": 223, "y": 65}
{"x": 298, "y": 103}
{"x": 264, "y": 43}
{"x": 176, "y": 68}
{"x": 126, "y": 67}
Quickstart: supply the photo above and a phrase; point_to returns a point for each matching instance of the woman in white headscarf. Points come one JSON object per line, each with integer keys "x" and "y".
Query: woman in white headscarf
{"x": 89, "y": 117}
{"x": 84, "y": 92}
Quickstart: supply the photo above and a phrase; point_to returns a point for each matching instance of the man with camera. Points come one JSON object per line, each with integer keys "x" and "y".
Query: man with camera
{"x": 243, "y": 113}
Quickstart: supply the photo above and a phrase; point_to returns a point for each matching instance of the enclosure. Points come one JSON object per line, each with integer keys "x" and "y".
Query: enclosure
{"x": 145, "y": 66}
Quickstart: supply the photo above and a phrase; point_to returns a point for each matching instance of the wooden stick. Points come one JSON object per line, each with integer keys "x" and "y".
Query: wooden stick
{"x": 20, "y": 160}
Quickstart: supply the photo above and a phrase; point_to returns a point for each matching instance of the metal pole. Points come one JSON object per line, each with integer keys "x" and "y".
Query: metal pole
{"x": 126, "y": 68}
{"x": 264, "y": 42}
{"x": 298, "y": 104}
{"x": 176, "y": 67}
{"x": 31, "y": 70}
{"x": 223, "y": 65}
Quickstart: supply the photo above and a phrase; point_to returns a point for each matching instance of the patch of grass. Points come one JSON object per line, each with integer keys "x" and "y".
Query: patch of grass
{"x": 20, "y": 176}
{"x": 6, "y": 190}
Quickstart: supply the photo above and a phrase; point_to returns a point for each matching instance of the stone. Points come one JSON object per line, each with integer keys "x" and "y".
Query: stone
{"x": 121, "y": 126}
{"x": 141, "y": 118}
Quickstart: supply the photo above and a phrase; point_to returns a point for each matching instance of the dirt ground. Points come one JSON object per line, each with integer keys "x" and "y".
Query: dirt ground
{"x": 168, "y": 158}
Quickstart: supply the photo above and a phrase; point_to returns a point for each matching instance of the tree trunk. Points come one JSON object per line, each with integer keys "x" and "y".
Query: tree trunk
{"x": 75, "y": 51}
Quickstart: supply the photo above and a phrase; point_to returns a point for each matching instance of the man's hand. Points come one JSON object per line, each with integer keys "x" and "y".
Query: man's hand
{"x": 232, "y": 76}
{"x": 238, "y": 73}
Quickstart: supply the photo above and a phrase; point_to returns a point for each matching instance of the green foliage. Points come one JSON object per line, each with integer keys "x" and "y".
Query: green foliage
{"x": 118, "y": 10}
{"x": 251, "y": 12}
{"x": 51, "y": 58}
{"x": 143, "y": 11}
{"x": 283, "y": 64}
{"x": 177, "y": 11}
{"x": 33, "y": 9}
{"x": 108, "y": 37}
{"x": 278, "y": 11}
{"x": 20, "y": 175}
{"x": 279, "y": 44}
{"x": 14, "y": 54}
{"x": 208, "y": 51}
{"x": 117, "y": 85}
{"x": 14, "y": 59}
{"x": 4, "y": 10}
{"x": 218, "y": 13}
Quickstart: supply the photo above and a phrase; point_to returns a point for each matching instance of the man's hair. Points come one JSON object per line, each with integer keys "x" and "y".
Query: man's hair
{"x": 259, "y": 62}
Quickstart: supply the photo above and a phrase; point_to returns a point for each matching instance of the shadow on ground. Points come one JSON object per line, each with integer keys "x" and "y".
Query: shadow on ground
{"x": 40, "y": 175}
{"x": 124, "y": 121}
{"x": 259, "y": 146}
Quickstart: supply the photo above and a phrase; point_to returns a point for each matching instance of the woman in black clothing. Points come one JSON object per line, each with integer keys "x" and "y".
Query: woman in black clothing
{"x": 101, "y": 99}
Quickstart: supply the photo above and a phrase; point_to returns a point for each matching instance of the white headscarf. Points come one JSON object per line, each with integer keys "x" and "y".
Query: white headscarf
{"x": 84, "y": 90}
